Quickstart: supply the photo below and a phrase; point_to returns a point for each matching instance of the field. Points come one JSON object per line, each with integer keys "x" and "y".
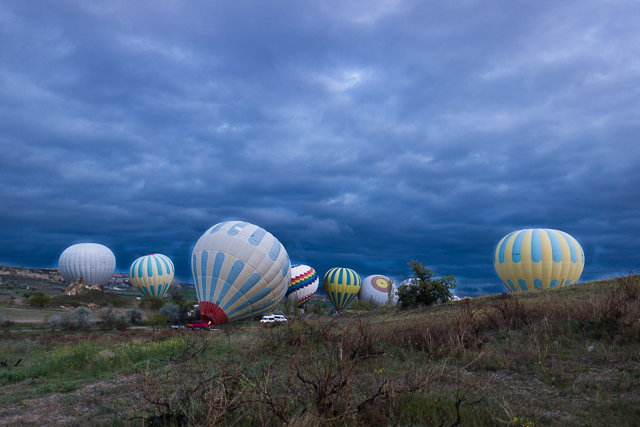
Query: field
{"x": 563, "y": 357}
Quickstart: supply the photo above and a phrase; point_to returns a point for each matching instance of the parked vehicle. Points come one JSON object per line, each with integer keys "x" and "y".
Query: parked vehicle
{"x": 198, "y": 324}
{"x": 272, "y": 318}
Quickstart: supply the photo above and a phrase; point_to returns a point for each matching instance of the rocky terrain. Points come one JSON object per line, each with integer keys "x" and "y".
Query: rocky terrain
{"x": 117, "y": 281}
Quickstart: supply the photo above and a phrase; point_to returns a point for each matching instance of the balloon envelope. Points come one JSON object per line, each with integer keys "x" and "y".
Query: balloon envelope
{"x": 93, "y": 262}
{"x": 152, "y": 274}
{"x": 377, "y": 287}
{"x": 341, "y": 286}
{"x": 239, "y": 270}
{"x": 538, "y": 258}
{"x": 304, "y": 283}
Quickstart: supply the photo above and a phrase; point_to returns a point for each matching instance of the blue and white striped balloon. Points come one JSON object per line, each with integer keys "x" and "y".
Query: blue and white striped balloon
{"x": 239, "y": 270}
{"x": 152, "y": 274}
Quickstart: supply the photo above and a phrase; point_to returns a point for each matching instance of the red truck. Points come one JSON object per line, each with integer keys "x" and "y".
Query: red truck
{"x": 198, "y": 324}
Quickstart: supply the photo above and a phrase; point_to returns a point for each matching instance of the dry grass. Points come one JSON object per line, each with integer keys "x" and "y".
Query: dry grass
{"x": 567, "y": 357}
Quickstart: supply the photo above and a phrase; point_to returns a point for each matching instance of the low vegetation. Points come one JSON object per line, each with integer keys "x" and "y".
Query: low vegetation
{"x": 561, "y": 357}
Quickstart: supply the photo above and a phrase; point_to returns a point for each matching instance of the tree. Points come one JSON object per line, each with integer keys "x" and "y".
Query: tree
{"x": 171, "y": 312}
{"x": 296, "y": 305}
{"x": 176, "y": 296}
{"x": 391, "y": 293}
{"x": 425, "y": 288}
{"x": 361, "y": 304}
{"x": 154, "y": 303}
{"x": 156, "y": 320}
{"x": 39, "y": 299}
{"x": 287, "y": 306}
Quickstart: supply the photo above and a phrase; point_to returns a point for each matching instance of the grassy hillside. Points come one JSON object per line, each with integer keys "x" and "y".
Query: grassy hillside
{"x": 562, "y": 357}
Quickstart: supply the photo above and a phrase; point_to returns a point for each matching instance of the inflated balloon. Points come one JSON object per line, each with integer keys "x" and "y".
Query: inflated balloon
{"x": 239, "y": 270}
{"x": 93, "y": 262}
{"x": 377, "y": 287}
{"x": 304, "y": 284}
{"x": 538, "y": 258}
{"x": 341, "y": 286}
{"x": 152, "y": 274}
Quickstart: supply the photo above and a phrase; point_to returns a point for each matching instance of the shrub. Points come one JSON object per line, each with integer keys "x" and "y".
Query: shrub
{"x": 425, "y": 288}
{"x": 156, "y": 320}
{"x": 171, "y": 312}
{"x": 176, "y": 297}
{"x": 134, "y": 316}
{"x": 80, "y": 318}
{"x": 111, "y": 319}
{"x": 362, "y": 304}
{"x": 39, "y": 299}
{"x": 154, "y": 303}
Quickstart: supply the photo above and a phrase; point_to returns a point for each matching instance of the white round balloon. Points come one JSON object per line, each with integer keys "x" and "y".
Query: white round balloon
{"x": 377, "y": 287}
{"x": 239, "y": 270}
{"x": 93, "y": 262}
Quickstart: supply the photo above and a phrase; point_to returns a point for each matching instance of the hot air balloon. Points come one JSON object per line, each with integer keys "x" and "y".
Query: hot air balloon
{"x": 93, "y": 262}
{"x": 304, "y": 283}
{"x": 377, "y": 286}
{"x": 538, "y": 258}
{"x": 239, "y": 270}
{"x": 152, "y": 274}
{"x": 341, "y": 286}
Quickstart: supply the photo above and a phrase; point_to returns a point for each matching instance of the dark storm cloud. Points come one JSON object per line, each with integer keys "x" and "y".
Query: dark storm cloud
{"x": 362, "y": 134}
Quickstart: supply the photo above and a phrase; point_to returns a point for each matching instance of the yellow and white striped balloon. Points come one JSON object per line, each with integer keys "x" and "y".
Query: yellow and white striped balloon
{"x": 538, "y": 258}
{"x": 152, "y": 274}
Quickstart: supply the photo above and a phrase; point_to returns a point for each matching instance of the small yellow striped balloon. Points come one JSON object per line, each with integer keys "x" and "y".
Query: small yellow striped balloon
{"x": 152, "y": 274}
{"x": 538, "y": 258}
{"x": 341, "y": 286}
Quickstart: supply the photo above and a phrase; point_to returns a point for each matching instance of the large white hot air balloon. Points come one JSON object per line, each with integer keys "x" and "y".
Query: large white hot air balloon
{"x": 93, "y": 262}
{"x": 377, "y": 287}
{"x": 152, "y": 274}
{"x": 239, "y": 270}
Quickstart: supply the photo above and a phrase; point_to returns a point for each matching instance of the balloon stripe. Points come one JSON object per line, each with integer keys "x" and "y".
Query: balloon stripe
{"x": 275, "y": 249}
{"x": 503, "y": 247}
{"x": 195, "y": 277}
{"x": 256, "y": 298}
{"x": 556, "y": 249}
{"x": 250, "y": 283}
{"x": 536, "y": 246}
{"x": 572, "y": 247}
{"x": 237, "y": 228}
{"x": 215, "y": 275}
{"x": 516, "y": 251}
{"x": 204, "y": 265}
{"x": 236, "y": 269}
{"x": 218, "y": 227}
{"x": 158, "y": 265}
{"x": 257, "y": 237}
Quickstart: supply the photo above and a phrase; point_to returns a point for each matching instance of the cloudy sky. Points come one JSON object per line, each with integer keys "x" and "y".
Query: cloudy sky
{"x": 361, "y": 134}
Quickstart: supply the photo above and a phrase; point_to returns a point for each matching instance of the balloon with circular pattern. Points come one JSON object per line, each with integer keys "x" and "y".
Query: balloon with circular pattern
{"x": 377, "y": 287}
{"x": 341, "y": 286}
{"x": 538, "y": 258}
{"x": 239, "y": 270}
{"x": 303, "y": 285}
{"x": 152, "y": 274}
{"x": 93, "y": 262}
